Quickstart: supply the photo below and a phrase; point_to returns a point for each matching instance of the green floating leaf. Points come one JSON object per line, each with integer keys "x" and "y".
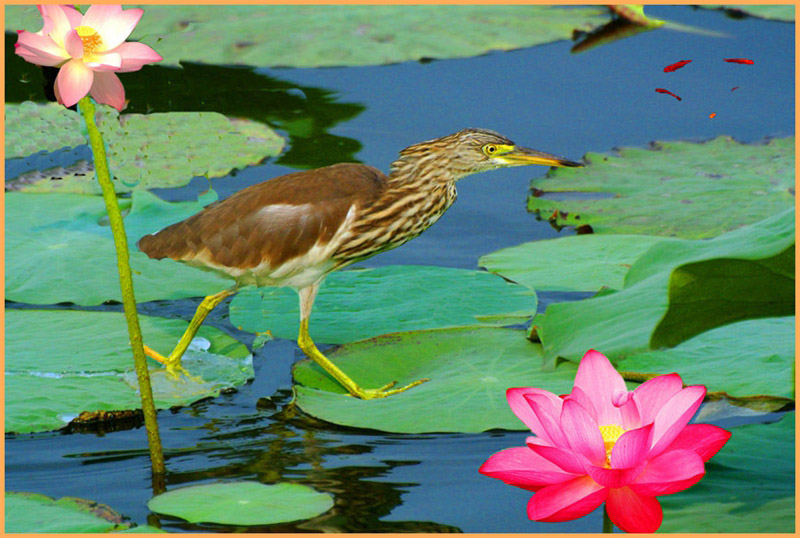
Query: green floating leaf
{"x": 748, "y": 486}
{"x": 36, "y": 513}
{"x": 59, "y": 248}
{"x": 31, "y": 128}
{"x": 660, "y": 307}
{"x": 327, "y": 35}
{"x": 358, "y": 304}
{"x": 710, "y": 293}
{"x": 143, "y": 150}
{"x": 304, "y": 114}
{"x": 469, "y": 368}
{"x": 783, "y": 12}
{"x": 56, "y": 368}
{"x": 242, "y": 503}
{"x": 572, "y": 263}
{"x": 706, "y": 189}
{"x": 752, "y": 358}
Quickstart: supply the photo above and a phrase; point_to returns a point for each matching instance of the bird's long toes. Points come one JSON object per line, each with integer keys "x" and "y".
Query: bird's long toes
{"x": 387, "y": 386}
{"x": 387, "y": 390}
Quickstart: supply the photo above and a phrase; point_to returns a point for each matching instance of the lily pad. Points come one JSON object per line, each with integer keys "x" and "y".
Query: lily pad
{"x": 680, "y": 289}
{"x": 469, "y": 368}
{"x": 571, "y": 263}
{"x": 56, "y": 368}
{"x": 704, "y": 188}
{"x": 357, "y": 304}
{"x": 753, "y": 359}
{"x": 59, "y": 248}
{"x": 748, "y": 487}
{"x": 33, "y": 512}
{"x": 304, "y": 114}
{"x": 143, "y": 150}
{"x": 310, "y": 36}
{"x": 242, "y": 503}
{"x": 31, "y": 128}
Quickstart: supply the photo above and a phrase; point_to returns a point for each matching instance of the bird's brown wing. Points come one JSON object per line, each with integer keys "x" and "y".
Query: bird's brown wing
{"x": 270, "y": 222}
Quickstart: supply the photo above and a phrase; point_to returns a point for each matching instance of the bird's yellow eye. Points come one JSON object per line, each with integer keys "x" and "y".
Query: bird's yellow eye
{"x": 490, "y": 149}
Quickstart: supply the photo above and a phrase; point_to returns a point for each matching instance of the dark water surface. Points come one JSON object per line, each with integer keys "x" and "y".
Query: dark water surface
{"x": 542, "y": 97}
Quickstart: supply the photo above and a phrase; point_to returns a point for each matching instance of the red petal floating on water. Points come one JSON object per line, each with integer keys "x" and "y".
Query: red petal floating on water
{"x": 739, "y": 61}
{"x": 676, "y": 65}
{"x": 662, "y": 90}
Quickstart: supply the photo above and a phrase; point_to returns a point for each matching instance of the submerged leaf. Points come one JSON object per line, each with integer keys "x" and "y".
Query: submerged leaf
{"x": 242, "y": 503}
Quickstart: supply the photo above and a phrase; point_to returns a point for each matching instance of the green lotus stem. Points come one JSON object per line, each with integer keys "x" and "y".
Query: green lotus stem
{"x": 607, "y": 525}
{"x": 126, "y": 284}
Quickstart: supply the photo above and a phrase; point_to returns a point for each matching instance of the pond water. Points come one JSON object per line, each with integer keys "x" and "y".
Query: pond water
{"x": 542, "y": 97}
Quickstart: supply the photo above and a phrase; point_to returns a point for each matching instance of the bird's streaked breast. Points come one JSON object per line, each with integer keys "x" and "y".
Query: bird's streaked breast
{"x": 401, "y": 217}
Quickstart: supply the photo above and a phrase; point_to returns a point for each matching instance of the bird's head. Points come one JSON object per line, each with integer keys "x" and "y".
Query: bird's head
{"x": 470, "y": 151}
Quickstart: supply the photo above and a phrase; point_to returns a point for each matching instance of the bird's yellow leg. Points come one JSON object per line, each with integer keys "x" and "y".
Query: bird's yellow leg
{"x": 173, "y": 361}
{"x": 310, "y": 349}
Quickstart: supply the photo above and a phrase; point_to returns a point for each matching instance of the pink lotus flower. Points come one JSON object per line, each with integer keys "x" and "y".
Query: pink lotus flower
{"x": 602, "y": 443}
{"x": 89, "y": 49}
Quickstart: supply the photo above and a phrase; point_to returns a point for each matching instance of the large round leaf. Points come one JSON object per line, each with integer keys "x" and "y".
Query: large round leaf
{"x": 309, "y": 36}
{"x": 59, "y": 363}
{"x": 572, "y": 263}
{"x": 748, "y": 487}
{"x": 469, "y": 368}
{"x": 679, "y": 289}
{"x": 31, "y": 128}
{"x": 36, "y": 513}
{"x": 143, "y": 150}
{"x": 59, "y": 248}
{"x": 242, "y": 503}
{"x": 753, "y": 358}
{"x": 681, "y": 189}
{"x": 358, "y": 304}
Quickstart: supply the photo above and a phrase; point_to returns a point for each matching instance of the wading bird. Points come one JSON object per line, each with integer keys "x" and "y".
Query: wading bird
{"x": 295, "y": 229}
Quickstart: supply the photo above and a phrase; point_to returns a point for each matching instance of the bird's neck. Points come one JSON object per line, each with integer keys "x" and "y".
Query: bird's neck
{"x": 422, "y": 171}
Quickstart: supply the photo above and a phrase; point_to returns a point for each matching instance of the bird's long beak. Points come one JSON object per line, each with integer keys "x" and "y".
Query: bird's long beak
{"x": 518, "y": 156}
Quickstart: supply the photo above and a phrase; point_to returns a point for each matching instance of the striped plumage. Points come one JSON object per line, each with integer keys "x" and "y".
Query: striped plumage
{"x": 253, "y": 235}
{"x": 294, "y": 229}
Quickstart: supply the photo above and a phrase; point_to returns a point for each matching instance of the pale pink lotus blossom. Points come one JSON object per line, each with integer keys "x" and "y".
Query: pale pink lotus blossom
{"x": 603, "y": 443}
{"x": 89, "y": 49}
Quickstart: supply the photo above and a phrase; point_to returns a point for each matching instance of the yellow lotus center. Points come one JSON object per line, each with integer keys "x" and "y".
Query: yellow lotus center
{"x": 610, "y": 433}
{"x": 91, "y": 39}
